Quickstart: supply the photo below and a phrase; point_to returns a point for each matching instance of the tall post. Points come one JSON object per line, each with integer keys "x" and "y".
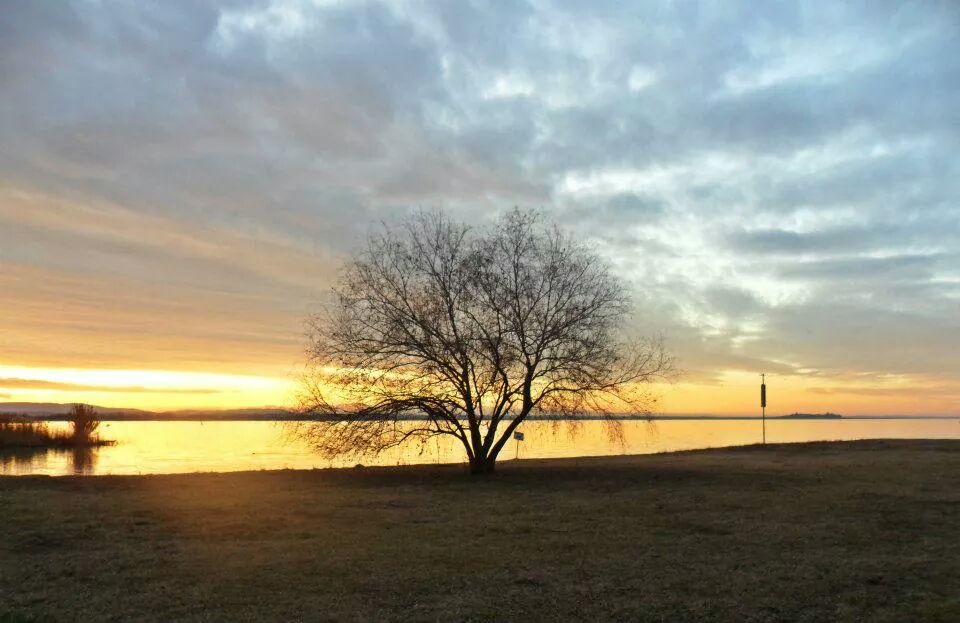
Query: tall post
{"x": 763, "y": 405}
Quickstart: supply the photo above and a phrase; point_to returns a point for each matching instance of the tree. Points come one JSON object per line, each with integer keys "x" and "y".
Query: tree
{"x": 437, "y": 328}
{"x": 85, "y": 423}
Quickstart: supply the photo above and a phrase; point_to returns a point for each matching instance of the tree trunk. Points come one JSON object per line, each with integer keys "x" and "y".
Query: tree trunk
{"x": 482, "y": 465}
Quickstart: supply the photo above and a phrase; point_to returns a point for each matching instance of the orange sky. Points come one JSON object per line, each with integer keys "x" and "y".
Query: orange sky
{"x": 736, "y": 393}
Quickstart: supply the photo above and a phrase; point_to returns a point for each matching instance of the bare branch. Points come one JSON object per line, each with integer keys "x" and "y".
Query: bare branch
{"x": 440, "y": 329}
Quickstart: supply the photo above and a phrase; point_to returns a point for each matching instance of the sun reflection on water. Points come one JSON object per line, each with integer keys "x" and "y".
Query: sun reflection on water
{"x": 176, "y": 447}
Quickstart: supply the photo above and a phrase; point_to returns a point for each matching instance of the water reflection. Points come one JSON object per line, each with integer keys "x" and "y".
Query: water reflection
{"x": 172, "y": 447}
{"x": 57, "y": 461}
{"x": 83, "y": 460}
{"x": 22, "y": 460}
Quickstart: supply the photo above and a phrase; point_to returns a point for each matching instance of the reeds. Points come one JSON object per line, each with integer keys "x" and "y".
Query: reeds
{"x": 22, "y": 432}
{"x": 31, "y": 435}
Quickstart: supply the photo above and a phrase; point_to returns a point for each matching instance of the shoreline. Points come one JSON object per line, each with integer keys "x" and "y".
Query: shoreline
{"x": 510, "y": 465}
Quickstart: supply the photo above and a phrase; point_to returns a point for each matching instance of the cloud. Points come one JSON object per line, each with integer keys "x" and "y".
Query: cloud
{"x": 776, "y": 182}
{"x": 892, "y": 269}
{"x": 895, "y": 392}
{"x": 77, "y": 387}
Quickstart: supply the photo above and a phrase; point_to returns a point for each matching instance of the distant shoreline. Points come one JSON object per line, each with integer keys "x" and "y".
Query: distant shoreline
{"x": 213, "y": 417}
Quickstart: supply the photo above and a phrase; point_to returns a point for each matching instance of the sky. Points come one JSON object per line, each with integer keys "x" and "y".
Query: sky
{"x": 778, "y": 183}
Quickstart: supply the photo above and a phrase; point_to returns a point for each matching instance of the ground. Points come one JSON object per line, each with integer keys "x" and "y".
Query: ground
{"x": 802, "y": 532}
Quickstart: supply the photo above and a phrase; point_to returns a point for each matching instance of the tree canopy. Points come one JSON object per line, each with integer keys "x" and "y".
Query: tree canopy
{"x": 439, "y": 328}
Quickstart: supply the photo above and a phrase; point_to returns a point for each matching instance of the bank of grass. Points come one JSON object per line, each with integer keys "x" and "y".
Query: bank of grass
{"x": 807, "y": 532}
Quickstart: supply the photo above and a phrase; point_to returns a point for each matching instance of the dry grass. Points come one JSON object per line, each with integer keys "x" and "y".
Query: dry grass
{"x": 811, "y": 532}
{"x": 31, "y": 435}
{"x": 24, "y": 432}
{"x": 42, "y": 435}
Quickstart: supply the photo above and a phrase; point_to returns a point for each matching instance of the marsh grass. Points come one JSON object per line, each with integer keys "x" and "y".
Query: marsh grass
{"x": 23, "y": 432}
{"x": 32, "y": 435}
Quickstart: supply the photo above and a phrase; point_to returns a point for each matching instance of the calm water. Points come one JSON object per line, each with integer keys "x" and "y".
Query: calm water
{"x": 176, "y": 447}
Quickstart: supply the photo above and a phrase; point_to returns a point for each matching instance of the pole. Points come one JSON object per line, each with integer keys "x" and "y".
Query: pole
{"x": 763, "y": 405}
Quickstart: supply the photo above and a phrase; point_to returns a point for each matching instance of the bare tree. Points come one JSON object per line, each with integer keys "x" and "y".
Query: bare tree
{"x": 442, "y": 329}
{"x": 85, "y": 423}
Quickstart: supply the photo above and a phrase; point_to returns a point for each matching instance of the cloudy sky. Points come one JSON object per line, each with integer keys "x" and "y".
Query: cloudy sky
{"x": 778, "y": 182}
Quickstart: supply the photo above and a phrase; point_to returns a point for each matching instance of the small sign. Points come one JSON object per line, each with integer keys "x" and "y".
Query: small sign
{"x": 518, "y": 435}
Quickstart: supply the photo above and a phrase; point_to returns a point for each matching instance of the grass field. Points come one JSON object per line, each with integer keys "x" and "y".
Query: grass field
{"x": 806, "y": 532}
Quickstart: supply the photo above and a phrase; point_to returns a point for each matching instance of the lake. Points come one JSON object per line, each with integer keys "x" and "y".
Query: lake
{"x": 177, "y": 447}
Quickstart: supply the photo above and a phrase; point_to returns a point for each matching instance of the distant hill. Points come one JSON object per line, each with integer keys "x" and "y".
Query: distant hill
{"x": 49, "y": 409}
{"x": 264, "y": 413}
{"x": 55, "y": 411}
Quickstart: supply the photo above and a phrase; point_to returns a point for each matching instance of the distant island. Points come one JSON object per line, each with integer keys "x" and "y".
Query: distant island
{"x": 811, "y": 416}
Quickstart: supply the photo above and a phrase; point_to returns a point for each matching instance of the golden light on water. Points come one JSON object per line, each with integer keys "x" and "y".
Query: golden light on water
{"x": 191, "y": 446}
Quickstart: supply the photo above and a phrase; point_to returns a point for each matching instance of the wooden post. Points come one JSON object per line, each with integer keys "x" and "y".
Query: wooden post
{"x": 763, "y": 405}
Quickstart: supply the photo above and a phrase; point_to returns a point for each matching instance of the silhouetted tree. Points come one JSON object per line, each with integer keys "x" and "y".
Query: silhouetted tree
{"x": 85, "y": 423}
{"x": 442, "y": 329}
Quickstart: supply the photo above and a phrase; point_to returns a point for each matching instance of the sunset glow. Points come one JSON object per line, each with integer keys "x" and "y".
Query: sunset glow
{"x": 479, "y": 310}
{"x": 734, "y": 393}
{"x": 780, "y": 197}
{"x": 143, "y": 389}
